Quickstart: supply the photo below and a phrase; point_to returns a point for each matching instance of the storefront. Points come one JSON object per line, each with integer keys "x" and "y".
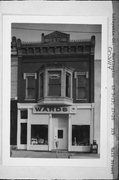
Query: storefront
{"x": 56, "y": 106}
{"x": 47, "y": 128}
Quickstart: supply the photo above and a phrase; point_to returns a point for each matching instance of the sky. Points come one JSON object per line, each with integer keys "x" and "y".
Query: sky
{"x": 32, "y": 32}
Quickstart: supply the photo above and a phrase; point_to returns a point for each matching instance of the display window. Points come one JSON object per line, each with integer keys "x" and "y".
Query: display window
{"x": 80, "y": 135}
{"x": 39, "y": 134}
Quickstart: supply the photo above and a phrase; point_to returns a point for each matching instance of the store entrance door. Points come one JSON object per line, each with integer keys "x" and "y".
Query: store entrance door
{"x": 61, "y": 138}
{"x": 60, "y": 134}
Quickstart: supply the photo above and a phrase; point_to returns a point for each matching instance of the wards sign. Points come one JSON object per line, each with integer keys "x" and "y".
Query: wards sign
{"x": 52, "y": 109}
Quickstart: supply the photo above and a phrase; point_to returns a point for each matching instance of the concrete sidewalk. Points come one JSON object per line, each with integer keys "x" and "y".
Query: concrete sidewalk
{"x": 53, "y": 154}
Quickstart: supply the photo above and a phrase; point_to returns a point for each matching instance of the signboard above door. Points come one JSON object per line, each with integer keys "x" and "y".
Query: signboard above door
{"x": 37, "y": 109}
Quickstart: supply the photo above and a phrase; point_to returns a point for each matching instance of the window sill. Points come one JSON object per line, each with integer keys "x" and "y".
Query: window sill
{"x": 56, "y": 100}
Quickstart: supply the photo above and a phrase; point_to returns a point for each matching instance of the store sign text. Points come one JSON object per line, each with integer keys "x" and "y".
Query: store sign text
{"x": 46, "y": 109}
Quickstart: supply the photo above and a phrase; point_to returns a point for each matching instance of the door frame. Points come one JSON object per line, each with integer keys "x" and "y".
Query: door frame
{"x": 66, "y": 118}
{"x": 61, "y": 141}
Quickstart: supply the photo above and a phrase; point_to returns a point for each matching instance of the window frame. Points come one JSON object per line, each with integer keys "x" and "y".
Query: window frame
{"x": 86, "y": 74}
{"x": 76, "y": 142}
{"x": 47, "y": 81}
{"x": 71, "y": 83}
{"x": 63, "y": 72}
{"x": 38, "y": 138}
{"x": 39, "y": 87}
{"x": 60, "y": 133}
{"x": 26, "y": 75}
{"x": 21, "y": 110}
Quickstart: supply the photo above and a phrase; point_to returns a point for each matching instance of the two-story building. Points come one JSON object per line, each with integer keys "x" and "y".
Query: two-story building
{"x": 56, "y": 104}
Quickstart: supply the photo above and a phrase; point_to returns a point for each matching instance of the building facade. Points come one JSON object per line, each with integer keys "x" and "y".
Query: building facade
{"x": 55, "y": 95}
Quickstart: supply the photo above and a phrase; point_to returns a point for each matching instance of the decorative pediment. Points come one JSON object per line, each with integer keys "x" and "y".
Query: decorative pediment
{"x": 56, "y": 36}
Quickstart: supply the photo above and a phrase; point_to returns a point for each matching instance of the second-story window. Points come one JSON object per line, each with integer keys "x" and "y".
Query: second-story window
{"x": 30, "y": 92}
{"x": 82, "y": 86}
{"x": 68, "y": 85}
{"x": 41, "y": 83}
{"x": 54, "y": 83}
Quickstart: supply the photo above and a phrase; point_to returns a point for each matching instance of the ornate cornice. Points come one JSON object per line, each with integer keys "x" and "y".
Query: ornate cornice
{"x": 51, "y": 47}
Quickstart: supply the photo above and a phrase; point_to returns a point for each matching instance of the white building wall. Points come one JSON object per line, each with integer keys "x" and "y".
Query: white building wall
{"x": 82, "y": 117}
{"x": 38, "y": 119}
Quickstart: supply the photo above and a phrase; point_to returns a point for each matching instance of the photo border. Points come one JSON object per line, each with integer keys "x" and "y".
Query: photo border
{"x": 105, "y": 142}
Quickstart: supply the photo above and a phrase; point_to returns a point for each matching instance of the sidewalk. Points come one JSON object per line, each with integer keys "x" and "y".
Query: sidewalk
{"x": 52, "y": 154}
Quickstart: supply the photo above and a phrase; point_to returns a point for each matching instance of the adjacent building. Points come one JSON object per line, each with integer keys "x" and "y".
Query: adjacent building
{"x": 55, "y": 106}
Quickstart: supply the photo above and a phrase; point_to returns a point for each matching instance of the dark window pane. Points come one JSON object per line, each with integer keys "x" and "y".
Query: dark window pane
{"x": 23, "y": 133}
{"x": 81, "y": 81}
{"x": 54, "y": 83}
{"x": 39, "y": 134}
{"x": 60, "y": 134}
{"x": 81, "y": 88}
{"x": 31, "y": 82}
{"x": 68, "y": 85}
{"x": 81, "y": 94}
{"x": 54, "y": 90}
{"x": 80, "y": 135}
{"x": 24, "y": 114}
{"x": 41, "y": 85}
{"x": 31, "y": 94}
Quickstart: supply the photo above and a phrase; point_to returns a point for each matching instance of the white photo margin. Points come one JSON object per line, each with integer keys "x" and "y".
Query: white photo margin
{"x": 92, "y": 166}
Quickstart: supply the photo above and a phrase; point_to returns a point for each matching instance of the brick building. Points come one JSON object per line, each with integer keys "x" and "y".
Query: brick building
{"x": 55, "y": 103}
